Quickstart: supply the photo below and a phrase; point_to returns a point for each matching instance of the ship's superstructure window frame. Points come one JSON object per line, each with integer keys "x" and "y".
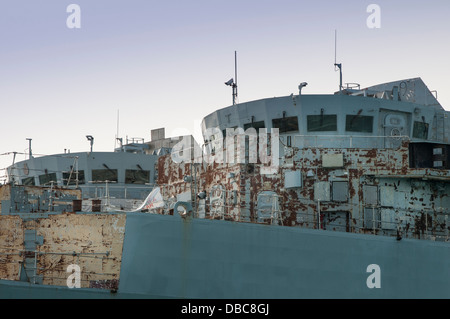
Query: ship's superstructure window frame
{"x": 81, "y": 179}
{"x": 255, "y": 125}
{"x": 102, "y": 175}
{"x": 29, "y": 181}
{"x": 286, "y": 124}
{"x": 137, "y": 176}
{"x": 420, "y": 130}
{"x": 359, "y": 123}
{"x": 321, "y": 123}
{"x": 46, "y": 179}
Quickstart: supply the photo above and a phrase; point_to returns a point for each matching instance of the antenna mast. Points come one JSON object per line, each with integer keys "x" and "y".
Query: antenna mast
{"x": 235, "y": 93}
{"x": 232, "y": 82}
{"x": 30, "y": 154}
{"x": 335, "y": 64}
{"x": 117, "y": 130}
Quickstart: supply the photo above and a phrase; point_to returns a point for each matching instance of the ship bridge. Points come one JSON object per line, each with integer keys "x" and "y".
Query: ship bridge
{"x": 373, "y": 161}
{"x": 381, "y": 116}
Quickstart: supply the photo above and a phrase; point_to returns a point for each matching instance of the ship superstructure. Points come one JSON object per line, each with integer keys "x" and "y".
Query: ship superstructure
{"x": 370, "y": 160}
{"x": 116, "y": 180}
{"x": 304, "y": 196}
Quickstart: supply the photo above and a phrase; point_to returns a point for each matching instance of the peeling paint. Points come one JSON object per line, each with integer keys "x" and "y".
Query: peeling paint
{"x": 361, "y": 167}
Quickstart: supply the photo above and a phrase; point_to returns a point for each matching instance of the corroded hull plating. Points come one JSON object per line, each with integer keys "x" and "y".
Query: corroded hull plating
{"x": 171, "y": 257}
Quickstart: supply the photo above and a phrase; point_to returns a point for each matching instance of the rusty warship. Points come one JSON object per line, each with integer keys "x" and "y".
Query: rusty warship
{"x": 343, "y": 195}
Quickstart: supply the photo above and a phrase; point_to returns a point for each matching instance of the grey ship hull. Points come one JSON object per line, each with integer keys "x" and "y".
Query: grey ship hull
{"x": 171, "y": 257}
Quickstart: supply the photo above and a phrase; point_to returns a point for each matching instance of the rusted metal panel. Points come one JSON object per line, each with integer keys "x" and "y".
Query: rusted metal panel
{"x": 388, "y": 219}
{"x": 11, "y": 247}
{"x": 292, "y": 179}
{"x": 340, "y": 191}
{"x": 336, "y": 221}
{"x": 371, "y": 180}
{"x": 370, "y": 195}
{"x": 92, "y": 241}
{"x": 322, "y": 191}
{"x": 332, "y": 160}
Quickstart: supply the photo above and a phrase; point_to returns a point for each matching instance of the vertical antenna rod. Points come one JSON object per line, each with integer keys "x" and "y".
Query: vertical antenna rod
{"x": 335, "y": 64}
{"x": 335, "y": 46}
{"x": 117, "y": 130}
{"x": 30, "y": 154}
{"x": 232, "y": 82}
{"x": 235, "y": 76}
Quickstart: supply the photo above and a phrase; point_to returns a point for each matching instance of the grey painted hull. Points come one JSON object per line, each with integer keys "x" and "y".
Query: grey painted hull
{"x": 171, "y": 257}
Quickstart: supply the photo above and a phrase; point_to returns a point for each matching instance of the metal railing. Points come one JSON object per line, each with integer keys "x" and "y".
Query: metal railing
{"x": 345, "y": 141}
{"x": 405, "y": 225}
{"x": 404, "y": 221}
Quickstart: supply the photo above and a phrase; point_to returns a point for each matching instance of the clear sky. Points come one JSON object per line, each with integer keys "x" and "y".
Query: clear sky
{"x": 164, "y": 63}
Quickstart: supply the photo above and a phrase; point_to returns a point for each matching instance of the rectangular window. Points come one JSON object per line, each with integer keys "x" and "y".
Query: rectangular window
{"x": 286, "y": 124}
{"x": 359, "y": 123}
{"x": 28, "y": 181}
{"x": 103, "y": 175}
{"x": 420, "y": 130}
{"x": 47, "y": 178}
{"x": 134, "y": 176}
{"x": 255, "y": 125}
{"x": 73, "y": 178}
{"x": 322, "y": 123}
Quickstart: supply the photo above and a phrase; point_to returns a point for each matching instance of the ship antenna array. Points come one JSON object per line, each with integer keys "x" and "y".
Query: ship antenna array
{"x": 117, "y": 132}
{"x": 233, "y": 82}
{"x": 235, "y": 76}
{"x": 336, "y": 64}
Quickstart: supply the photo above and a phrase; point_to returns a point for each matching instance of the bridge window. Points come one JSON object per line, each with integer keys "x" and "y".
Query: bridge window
{"x": 28, "y": 181}
{"x": 73, "y": 177}
{"x": 47, "y": 178}
{"x": 286, "y": 124}
{"x": 359, "y": 123}
{"x": 134, "y": 176}
{"x": 322, "y": 123}
{"x": 103, "y": 175}
{"x": 255, "y": 125}
{"x": 420, "y": 130}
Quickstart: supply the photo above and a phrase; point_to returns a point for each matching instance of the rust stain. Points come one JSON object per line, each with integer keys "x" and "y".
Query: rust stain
{"x": 298, "y": 206}
{"x": 11, "y": 239}
{"x": 92, "y": 241}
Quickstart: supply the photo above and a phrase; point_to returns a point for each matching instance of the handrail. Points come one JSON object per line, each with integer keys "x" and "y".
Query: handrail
{"x": 350, "y": 138}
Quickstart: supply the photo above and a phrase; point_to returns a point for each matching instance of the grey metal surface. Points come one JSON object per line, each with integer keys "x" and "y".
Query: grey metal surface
{"x": 197, "y": 258}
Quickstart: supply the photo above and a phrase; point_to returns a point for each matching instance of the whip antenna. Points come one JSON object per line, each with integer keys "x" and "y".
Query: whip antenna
{"x": 336, "y": 64}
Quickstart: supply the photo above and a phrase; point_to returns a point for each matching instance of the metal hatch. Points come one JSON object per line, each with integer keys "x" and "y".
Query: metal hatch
{"x": 395, "y": 126}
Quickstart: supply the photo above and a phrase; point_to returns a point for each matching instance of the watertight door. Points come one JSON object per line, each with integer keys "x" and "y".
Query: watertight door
{"x": 395, "y": 126}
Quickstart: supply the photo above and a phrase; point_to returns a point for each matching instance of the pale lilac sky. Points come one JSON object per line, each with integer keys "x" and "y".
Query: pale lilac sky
{"x": 164, "y": 63}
